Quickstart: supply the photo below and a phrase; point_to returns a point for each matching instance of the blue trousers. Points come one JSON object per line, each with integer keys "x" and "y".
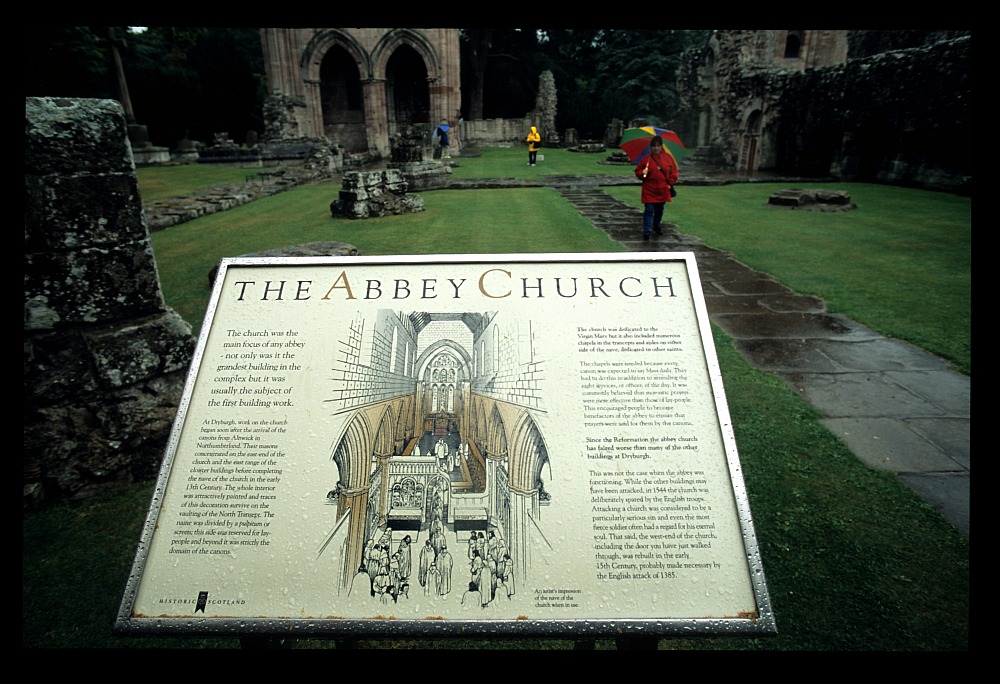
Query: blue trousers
{"x": 652, "y": 215}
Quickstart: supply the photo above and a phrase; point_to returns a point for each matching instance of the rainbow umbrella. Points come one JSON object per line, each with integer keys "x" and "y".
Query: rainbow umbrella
{"x": 635, "y": 143}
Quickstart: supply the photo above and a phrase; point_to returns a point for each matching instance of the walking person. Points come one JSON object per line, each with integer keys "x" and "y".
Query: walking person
{"x": 658, "y": 173}
{"x": 442, "y": 136}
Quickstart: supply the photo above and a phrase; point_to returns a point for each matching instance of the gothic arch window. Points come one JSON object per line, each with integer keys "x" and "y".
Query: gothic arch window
{"x": 707, "y": 72}
{"x": 393, "y": 359}
{"x": 751, "y": 140}
{"x": 444, "y": 373}
{"x": 341, "y": 98}
{"x": 494, "y": 365}
{"x": 793, "y": 44}
{"x": 407, "y": 88}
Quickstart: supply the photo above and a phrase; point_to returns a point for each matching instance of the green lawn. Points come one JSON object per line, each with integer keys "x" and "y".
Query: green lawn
{"x": 513, "y": 163}
{"x": 901, "y": 263}
{"x": 454, "y": 222}
{"x": 854, "y": 559}
{"x": 164, "y": 182}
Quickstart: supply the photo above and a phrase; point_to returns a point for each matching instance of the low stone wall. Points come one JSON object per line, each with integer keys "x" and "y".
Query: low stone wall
{"x": 322, "y": 162}
{"x": 495, "y": 132}
{"x": 104, "y": 358}
{"x": 165, "y": 213}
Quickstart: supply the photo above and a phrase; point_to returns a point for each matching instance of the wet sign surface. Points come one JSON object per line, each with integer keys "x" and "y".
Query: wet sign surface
{"x": 536, "y": 444}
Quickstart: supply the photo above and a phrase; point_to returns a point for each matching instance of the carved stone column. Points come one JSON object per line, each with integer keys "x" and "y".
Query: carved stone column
{"x": 523, "y": 511}
{"x": 383, "y": 464}
{"x": 376, "y": 115}
{"x": 355, "y": 501}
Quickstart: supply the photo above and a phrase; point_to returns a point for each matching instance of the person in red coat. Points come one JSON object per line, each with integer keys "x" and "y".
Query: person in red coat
{"x": 658, "y": 172}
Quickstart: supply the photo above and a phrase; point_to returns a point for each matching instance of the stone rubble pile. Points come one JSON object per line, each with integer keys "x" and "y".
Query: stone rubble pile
{"x": 367, "y": 194}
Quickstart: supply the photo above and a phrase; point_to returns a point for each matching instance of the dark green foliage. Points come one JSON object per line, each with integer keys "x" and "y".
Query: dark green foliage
{"x": 637, "y": 72}
{"x": 197, "y": 82}
{"x": 202, "y": 81}
{"x": 181, "y": 80}
{"x": 600, "y": 74}
{"x": 68, "y": 61}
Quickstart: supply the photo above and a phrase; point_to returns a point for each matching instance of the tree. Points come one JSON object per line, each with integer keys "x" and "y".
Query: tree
{"x": 574, "y": 55}
{"x": 502, "y": 71}
{"x": 181, "y": 80}
{"x": 196, "y": 82}
{"x": 600, "y": 74}
{"x": 637, "y": 72}
{"x": 67, "y": 61}
{"x": 475, "y": 50}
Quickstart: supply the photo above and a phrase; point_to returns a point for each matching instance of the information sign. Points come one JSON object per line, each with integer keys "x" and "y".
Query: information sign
{"x": 454, "y": 445}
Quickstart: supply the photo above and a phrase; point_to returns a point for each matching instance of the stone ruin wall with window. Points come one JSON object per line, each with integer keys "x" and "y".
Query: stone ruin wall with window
{"x": 357, "y": 87}
{"x": 875, "y": 106}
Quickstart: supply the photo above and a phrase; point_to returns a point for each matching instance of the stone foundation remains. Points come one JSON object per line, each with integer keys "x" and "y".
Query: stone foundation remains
{"x": 812, "y": 200}
{"x": 367, "y": 194}
{"x": 412, "y": 154}
{"x": 104, "y": 358}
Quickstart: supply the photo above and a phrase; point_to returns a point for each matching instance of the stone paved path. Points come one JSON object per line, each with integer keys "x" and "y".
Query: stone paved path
{"x": 895, "y": 406}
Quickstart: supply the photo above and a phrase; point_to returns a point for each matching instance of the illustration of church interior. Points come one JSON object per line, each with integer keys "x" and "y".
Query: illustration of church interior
{"x": 439, "y": 450}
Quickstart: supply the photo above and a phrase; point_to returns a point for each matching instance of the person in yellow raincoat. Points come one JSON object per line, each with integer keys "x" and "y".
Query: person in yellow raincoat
{"x": 534, "y": 142}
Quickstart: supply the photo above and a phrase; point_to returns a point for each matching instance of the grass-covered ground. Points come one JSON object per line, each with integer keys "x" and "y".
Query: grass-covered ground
{"x": 901, "y": 263}
{"x": 854, "y": 560}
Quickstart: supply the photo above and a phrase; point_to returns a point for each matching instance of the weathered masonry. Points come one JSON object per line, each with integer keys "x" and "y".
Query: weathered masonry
{"x": 359, "y": 86}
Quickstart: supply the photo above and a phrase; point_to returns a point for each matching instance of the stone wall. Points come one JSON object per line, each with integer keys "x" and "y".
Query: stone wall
{"x": 303, "y": 66}
{"x": 514, "y": 132}
{"x": 104, "y": 358}
{"x": 496, "y": 132}
{"x": 901, "y": 116}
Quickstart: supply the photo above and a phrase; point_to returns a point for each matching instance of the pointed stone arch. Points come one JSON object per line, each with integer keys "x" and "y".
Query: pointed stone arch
{"x": 528, "y": 455}
{"x": 385, "y": 434}
{"x": 749, "y": 156}
{"x": 397, "y": 38}
{"x": 352, "y": 452}
{"x": 293, "y": 61}
{"x": 496, "y": 436}
{"x": 325, "y": 39}
{"x": 404, "y": 421}
{"x": 433, "y": 350}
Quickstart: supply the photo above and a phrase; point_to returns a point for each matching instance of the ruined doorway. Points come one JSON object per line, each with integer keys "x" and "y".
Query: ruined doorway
{"x": 751, "y": 137}
{"x": 407, "y": 90}
{"x": 342, "y": 100}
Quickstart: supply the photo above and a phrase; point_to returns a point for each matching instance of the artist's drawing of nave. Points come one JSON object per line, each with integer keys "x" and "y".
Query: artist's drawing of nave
{"x": 439, "y": 419}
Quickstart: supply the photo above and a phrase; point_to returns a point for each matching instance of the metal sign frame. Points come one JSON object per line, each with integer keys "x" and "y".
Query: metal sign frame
{"x": 518, "y": 335}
